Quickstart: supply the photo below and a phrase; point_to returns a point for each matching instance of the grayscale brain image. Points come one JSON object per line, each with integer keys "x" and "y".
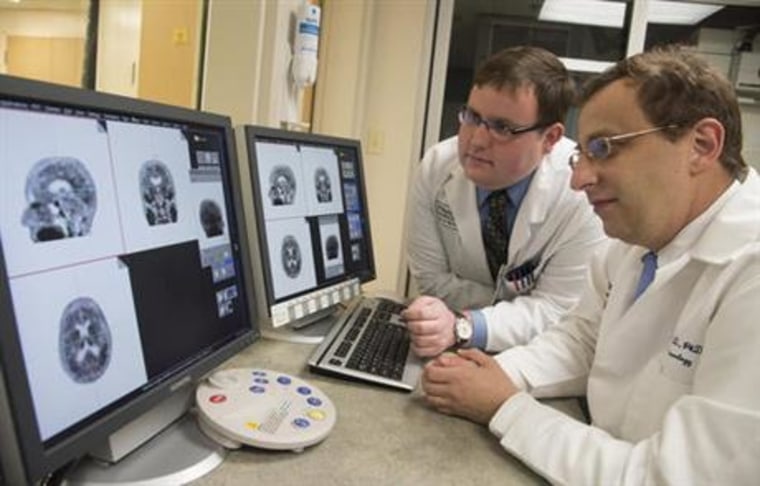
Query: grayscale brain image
{"x": 61, "y": 197}
{"x": 331, "y": 247}
{"x": 211, "y": 218}
{"x": 159, "y": 196}
{"x": 84, "y": 341}
{"x": 291, "y": 256}
{"x": 323, "y": 185}
{"x": 282, "y": 186}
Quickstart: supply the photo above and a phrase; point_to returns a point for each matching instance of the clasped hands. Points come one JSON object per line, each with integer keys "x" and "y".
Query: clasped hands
{"x": 467, "y": 382}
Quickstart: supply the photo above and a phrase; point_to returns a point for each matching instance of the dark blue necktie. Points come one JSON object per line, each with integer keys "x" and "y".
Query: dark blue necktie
{"x": 647, "y": 273}
{"x": 495, "y": 234}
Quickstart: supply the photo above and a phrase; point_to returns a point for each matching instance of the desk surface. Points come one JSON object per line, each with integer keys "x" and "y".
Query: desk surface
{"x": 382, "y": 436}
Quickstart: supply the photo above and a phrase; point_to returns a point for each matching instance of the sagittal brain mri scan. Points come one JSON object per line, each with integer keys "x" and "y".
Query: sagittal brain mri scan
{"x": 159, "y": 196}
{"x": 282, "y": 186}
{"x": 331, "y": 247}
{"x": 322, "y": 185}
{"x": 61, "y": 197}
{"x": 84, "y": 341}
{"x": 291, "y": 256}
{"x": 211, "y": 217}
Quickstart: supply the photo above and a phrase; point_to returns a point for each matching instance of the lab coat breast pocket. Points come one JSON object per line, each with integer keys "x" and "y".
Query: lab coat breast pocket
{"x": 664, "y": 380}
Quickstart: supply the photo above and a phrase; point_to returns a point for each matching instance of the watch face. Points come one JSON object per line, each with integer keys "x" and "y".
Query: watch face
{"x": 463, "y": 329}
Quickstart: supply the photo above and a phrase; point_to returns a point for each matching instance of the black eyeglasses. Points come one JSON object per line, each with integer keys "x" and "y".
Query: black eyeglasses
{"x": 497, "y": 128}
{"x": 600, "y": 148}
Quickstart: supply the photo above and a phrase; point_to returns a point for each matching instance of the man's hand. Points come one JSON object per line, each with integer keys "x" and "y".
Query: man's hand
{"x": 470, "y": 384}
{"x": 431, "y": 326}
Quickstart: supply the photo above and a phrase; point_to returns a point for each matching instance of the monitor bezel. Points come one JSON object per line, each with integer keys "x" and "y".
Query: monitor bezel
{"x": 24, "y": 452}
{"x": 254, "y": 133}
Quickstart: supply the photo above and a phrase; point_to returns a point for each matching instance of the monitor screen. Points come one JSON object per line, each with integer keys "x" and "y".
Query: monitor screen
{"x": 121, "y": 271}
{"x": 312, "y": 222}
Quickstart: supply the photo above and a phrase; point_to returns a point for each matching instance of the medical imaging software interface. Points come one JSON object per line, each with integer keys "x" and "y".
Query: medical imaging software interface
{"x": 116, "y": 242}
{"x": 316, "y": 229}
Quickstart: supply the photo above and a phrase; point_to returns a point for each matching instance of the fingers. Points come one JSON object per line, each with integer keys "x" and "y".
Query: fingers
{"x": 475, "y": 355}
{"x": 424, "y": 308}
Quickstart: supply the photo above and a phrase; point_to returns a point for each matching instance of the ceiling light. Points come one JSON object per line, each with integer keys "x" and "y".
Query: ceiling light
{"x": 611, "y": 14}
{"x": 585, "y": 12}
{"x": 679, "y": 13}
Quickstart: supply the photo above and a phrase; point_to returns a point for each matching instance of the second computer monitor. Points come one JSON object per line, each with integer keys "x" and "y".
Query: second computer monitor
{"x": 310, "y": 211}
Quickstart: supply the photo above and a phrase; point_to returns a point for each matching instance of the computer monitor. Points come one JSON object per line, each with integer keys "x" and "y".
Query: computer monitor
{"x": 313, "y": 244}
{"x": 121, "y": 271}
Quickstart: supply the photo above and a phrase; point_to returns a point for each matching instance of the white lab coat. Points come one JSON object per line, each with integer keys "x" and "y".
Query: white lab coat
{"x": 672, "y": 379}
{"x": 555, "y": 228}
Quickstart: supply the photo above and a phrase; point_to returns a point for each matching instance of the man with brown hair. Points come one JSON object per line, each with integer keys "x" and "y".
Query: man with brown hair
{"x": 492, "y": 218}
{"x": 664, "y": 339}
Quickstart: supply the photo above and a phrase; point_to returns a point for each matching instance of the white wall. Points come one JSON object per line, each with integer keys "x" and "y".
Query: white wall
{"x": 32, "y": 23}
{"x": 372, "y": 85}
{"x": 371, "y": 80}
{"x": 248, "y": 51}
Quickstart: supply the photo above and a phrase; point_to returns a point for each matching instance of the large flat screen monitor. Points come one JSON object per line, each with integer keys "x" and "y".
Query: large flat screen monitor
{"x": 313, "y": 245}
{"x": 121, "y": 267}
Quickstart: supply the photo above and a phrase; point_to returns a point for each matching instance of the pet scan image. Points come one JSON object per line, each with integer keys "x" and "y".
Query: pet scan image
{"x": 158, "y": 193}
{"x": 84, "y": 341}
{"x": 282, "y": 186}
{"x": 211, "y": 218}
{"x": 291, "y": 256}
{"x": 322, "y": 185}
{"x": 62, "y": 199}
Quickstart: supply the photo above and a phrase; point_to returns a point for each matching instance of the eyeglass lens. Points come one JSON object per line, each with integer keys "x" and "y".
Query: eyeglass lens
{"x": 599, "y": 148}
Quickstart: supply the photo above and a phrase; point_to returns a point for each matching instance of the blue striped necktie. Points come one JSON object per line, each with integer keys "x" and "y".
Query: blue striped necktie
{"x": 647, "y": 273}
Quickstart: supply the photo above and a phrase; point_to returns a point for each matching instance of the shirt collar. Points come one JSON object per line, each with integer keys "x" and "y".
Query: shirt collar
{"x": 516, "y": 192}
{"x": 690, "y": 234}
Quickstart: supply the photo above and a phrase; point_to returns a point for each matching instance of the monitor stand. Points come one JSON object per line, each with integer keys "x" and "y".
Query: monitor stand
{"x": 311, "y": 330}
{"x": 180, "y": 454}
{"x": 162, "y": 446}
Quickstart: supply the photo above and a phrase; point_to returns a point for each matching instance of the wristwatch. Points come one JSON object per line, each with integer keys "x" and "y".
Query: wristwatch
{"x": 462, "y": 329}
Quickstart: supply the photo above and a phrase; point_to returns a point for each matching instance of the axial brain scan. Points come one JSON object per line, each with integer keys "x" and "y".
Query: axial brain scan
{"x": 211, "y": 218}
{"x": 291, "y": 256}
{"x": 158, "y": 193}
{"x": 331, "y": 247}
{"x": 61, "y": 198}
{"x": 322, "y": 185}
{"x": 282, "y": 186}
{"x": 84, "y": 341}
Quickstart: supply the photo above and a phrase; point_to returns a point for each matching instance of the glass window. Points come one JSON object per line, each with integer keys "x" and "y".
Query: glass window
{"x": 727, "y": 35}
{"x": 587, "y": 35}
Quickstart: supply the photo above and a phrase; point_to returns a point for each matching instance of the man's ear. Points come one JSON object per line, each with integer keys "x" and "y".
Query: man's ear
{"x": 552, "y": 134}
{"x": 707, "y": 145}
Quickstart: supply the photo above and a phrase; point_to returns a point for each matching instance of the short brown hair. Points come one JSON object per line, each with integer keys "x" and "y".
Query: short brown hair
{"x": 677, "y": 87}
{"x": 515, "y": 67}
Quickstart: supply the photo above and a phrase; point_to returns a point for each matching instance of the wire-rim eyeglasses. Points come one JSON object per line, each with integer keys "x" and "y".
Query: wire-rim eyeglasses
{"x": 600, "y": 148}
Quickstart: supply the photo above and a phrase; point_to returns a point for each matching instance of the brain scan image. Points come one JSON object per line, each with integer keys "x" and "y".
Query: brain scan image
{"x": 84, "y": 342}
{"x": 322, "y": 185}
{"x": 61, "y": 198}
{"x": 282, "y": 186}
{"x": 211, "y": 218}
{"x": 331, "y": 247}
{"x": 158, "y": 193}
{"x": 291, "y": 256}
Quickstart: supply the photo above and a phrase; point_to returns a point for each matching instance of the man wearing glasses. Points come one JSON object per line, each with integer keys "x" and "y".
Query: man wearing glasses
{"x": 492, "y": 218}
{"x": 664, "y": 340}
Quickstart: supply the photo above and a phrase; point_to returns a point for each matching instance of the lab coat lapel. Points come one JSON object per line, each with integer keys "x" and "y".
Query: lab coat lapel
{"x": 460, "y": 192}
